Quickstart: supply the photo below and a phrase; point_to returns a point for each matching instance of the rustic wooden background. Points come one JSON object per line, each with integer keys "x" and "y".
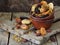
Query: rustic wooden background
{"x": 20, "y": 5}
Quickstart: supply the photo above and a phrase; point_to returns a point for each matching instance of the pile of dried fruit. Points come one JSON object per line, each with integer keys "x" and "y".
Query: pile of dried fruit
{"x": 22, "y": 23}
{"x": 18, "y": 39}
{"x": 42, "y": 9}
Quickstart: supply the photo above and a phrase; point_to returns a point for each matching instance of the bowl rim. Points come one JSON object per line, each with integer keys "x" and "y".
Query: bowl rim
{"x": 43, "y": 18}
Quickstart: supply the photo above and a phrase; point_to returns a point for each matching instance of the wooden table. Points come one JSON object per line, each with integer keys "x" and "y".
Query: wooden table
{"x": 8, "y": 25}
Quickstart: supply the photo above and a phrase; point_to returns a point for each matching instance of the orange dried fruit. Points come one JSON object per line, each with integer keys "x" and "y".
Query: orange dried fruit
{"x": 43, "y": 31}
{"x": 18, "y": 20}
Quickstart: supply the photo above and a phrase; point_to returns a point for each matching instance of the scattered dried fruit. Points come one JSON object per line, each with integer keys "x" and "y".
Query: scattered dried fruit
{"x": 43, "y": 31}
{"x": 24, "y": 27}
{"x": 16, "y": 39}
{"x": 38, "y": 33}
{"x": 26, "y": 21}
{"x": 18, "y": 26}
{"x": 18, "y": 20}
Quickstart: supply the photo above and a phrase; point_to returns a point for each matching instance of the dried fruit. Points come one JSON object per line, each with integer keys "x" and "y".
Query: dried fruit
{"x": 18, "y": 26}
{"x": 38, "y": 33}
{"x": 43, "y": 31}
{"x": 14, "y": 36}
{"x": 16, "y": 39}
{"x": 26, "y": 21}
{"x": 24, "y": 27}
{"x": 41, "y": 9}
{"x": 18, "y": 20}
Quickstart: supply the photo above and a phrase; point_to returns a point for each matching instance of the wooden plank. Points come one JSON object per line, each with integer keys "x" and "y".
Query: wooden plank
{"x": 58, "y": 39}
{"x": 3, "y": 37}
{"x": 31, "y": 37}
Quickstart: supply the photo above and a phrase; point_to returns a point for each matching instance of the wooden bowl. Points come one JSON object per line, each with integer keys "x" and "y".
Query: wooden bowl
{"x": 42, "y": 22}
